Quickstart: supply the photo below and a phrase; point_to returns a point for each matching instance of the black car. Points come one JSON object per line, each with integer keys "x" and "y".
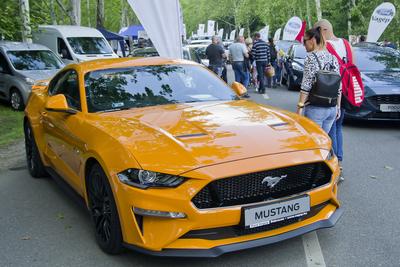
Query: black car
{"x": 293, "y": 66}
{"x": 380, "y": 71}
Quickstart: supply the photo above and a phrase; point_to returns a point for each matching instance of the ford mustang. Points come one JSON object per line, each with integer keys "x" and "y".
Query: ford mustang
{"x": 380, "y": 69}
{"x": 170, "y": 161}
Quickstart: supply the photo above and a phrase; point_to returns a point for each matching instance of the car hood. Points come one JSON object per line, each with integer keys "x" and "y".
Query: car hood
{"x": 179, "y": 138}
{"x": 382, "y": 82}
{"x": 39, "y": 74}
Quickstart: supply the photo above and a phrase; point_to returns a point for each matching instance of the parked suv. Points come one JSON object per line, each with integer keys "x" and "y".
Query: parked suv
{"x": 21, "y": 64}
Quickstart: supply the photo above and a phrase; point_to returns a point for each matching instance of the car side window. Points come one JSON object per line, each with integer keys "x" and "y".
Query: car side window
{"x": 63, "y": 50}
{"x": 67, "y": 84}
{"x": 4, "y": 68}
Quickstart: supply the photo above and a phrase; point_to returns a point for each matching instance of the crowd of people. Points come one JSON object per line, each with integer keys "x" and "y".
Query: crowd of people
{"x": 251, "y": 58}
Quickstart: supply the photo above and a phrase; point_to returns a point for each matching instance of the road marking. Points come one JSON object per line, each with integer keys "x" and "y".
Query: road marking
{"x": 313, "y": 250}
{"x": 265, "y": 96}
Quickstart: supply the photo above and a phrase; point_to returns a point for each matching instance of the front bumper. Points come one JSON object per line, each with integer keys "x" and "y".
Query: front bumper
{"x": 219, "y": 250}
{"x": 158, "y": 236}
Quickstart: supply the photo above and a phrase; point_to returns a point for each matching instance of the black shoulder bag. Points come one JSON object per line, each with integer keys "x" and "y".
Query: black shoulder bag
{"x": 325, "y": 89}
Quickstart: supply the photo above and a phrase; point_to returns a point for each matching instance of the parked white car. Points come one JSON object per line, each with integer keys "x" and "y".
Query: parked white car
{"x": 74, "y": 43}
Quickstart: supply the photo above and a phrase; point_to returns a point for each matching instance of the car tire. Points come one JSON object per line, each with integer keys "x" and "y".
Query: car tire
{"x": 16, "y": 100}
{"x": 103, "y": 211}
{"x": 33, "y": 159}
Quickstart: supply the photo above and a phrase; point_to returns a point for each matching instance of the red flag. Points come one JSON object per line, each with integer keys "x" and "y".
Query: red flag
{"x": 300, "y": 36}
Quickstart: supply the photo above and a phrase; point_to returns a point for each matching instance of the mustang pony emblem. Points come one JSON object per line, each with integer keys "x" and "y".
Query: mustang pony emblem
{"x": 272, "y": 181}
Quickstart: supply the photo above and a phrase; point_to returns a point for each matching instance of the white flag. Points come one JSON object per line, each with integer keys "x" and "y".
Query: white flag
{"x": 200, "y": 31}
{"x": 380, "y": 19}
{"x": 277, "y": 35}
{"x": 292, "y": 29}
{"x": 162, "y": 21}
{"x": 210, "y": 28}
{"x": 232, "y": 36}
{"x": 241, "y": 32}
{"x": 221, "y": 33}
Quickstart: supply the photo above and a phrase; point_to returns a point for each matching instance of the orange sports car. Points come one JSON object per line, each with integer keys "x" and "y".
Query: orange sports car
{"x": 170, "y": 161}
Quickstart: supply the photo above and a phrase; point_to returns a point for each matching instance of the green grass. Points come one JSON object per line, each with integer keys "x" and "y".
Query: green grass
{"x": 11, "y": 125}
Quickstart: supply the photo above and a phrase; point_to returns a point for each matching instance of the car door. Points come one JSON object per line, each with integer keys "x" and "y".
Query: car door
{"x": 63, "y": 135}
{"x": 5, "y": 77}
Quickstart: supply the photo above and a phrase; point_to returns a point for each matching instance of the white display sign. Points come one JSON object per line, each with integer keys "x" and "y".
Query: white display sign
{"x": 241, "y": 32}
{"x": 210, "y": 28}
{"x": 277, "y": 35}
{"x": 232, "y": 35}
{"x": 380, "y": 19}
{"x": 221, "y": 33}
{"x": 164, "y": 31}
{"x": 184, "y": 32}
{"x": 264, "y": 33}
{"x": 292, "y": 29}
{"x": 200, "y": 31}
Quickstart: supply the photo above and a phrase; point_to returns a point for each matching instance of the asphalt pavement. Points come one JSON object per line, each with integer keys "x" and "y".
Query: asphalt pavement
{"x": 42, "y": 226}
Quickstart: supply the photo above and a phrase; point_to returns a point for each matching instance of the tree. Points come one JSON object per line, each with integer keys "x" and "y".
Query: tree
{"x": 100, "y": 14}
{"x": 318, "y": 7}
{"x": 26, "y": 21}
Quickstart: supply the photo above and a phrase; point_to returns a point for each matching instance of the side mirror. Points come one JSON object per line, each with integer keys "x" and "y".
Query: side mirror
{"x": 58, "y": 103}
{"x": 239, "y": 88}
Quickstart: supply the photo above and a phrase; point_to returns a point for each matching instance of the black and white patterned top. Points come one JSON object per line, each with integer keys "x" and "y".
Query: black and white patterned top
{"x": 311, "y": 67}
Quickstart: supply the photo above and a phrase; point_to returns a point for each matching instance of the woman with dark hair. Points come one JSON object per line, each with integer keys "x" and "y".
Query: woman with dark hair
{"x": 318, "y": 58}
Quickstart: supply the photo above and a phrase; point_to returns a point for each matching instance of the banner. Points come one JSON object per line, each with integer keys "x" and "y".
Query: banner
{"x": 380, "y": 19}
{"x": 221, "y": 33}
{"x": 162, "y": 21}
{"x": 300, "y": 36}
{"x": 232, "y": 36}
{"x": 277, "y": 35}
{"x": 200, "y": 31}
{"x": 264, "y": 32}
{"x": 210, "y": 28}
{"x": 241, "y": 32}
{"x": 292, "y": 29}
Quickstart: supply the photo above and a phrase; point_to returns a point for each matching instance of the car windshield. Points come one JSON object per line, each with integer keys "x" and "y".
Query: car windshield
{"x": 381, "y": 59}
{"x": 300, "y": 52}
{"x": 89, "y": 45}
{"x": 34, "y": 60}
{"x": 116, "y": 89}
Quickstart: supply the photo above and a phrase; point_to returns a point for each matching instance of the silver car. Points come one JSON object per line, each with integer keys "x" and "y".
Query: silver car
{"x": 21, "y": 65}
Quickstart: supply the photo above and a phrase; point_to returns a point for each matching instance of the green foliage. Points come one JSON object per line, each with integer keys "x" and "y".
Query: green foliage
{"x": 11, "y": 125}
{"x": 229, "y": 14}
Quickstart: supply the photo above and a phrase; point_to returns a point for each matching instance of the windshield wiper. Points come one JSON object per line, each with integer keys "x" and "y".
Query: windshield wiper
{"x": 113, "y": 109}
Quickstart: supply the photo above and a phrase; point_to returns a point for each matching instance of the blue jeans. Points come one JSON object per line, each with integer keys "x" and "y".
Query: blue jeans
{"x": 274, "y": 79}
{"x": 216, "y": 69}
{"x": 241, "y": 74}
{"x": 336, "y": 134}
{"x": 261, "y": 65}
{"x": 323, "y": 116}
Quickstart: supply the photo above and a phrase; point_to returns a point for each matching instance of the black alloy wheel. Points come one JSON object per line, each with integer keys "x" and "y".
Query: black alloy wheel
{"x": 33, "y": 159}
{"x": 104, "y": 211}
{"x": 16, "y": 100}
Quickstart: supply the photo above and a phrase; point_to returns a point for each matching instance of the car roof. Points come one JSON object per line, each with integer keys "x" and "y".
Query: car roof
{"x": 19, "y": 46}
{"x": 73, "y": 31}
{"x": 116, "y": 63}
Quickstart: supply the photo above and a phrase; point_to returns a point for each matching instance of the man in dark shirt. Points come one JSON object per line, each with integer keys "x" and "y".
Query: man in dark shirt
{"x": 215, "y": 54}
{"x": 261, "y": 54}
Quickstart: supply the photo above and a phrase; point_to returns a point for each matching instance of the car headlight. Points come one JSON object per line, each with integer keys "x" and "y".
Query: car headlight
{"x": 29, "y": 81}
{"x": 145, "y": 179}
{"x": 297, "y": 66}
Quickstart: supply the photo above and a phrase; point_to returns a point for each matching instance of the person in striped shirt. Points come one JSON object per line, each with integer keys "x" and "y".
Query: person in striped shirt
{"x": 261, "y": 55}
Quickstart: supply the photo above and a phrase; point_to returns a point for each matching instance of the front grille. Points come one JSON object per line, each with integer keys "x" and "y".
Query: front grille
{"x": 384, "y": 99}
{"x": 248, "y": 188}
{"x": 239, "y": 230}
